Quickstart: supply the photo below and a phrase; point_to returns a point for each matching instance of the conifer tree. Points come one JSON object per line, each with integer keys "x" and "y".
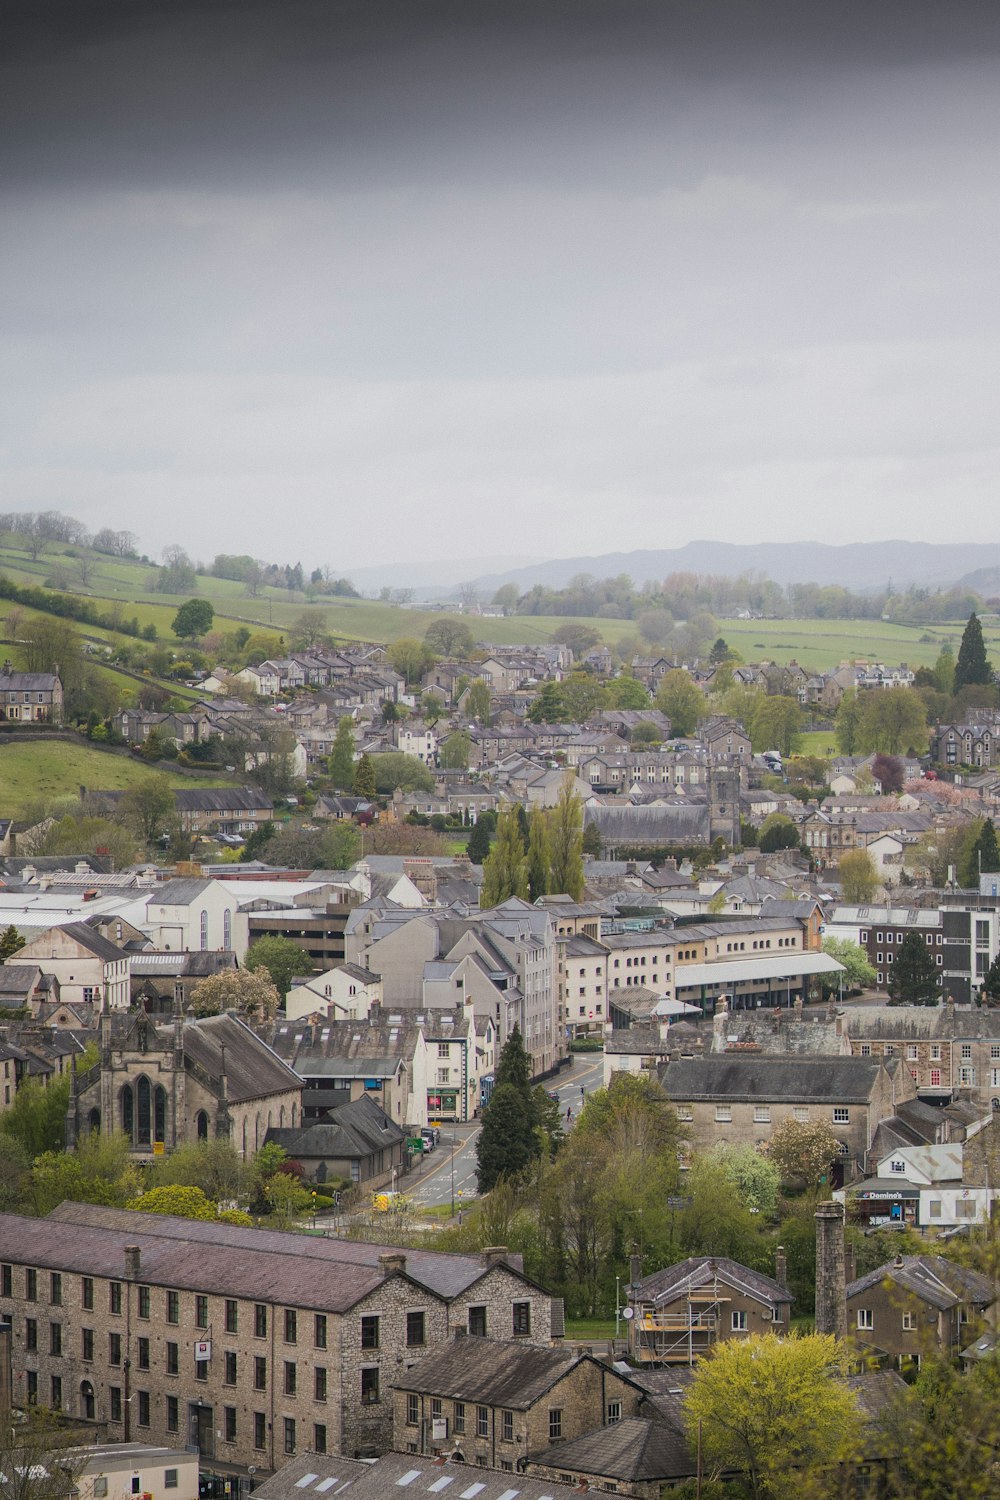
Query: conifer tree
{"x": 914, "y": 978}
{"x": 341, "y": 760}
{"x": 363, "y": 784}
{"x": 972, "y": 665}
{"x": 508, "y": 1141}
{"x": 479, "y": 842}
{"x": 986, "y": 850}
{"x": 991, "y": 984}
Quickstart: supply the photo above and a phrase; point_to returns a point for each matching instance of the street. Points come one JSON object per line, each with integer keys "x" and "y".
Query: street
{"x": 448, "y": 1173}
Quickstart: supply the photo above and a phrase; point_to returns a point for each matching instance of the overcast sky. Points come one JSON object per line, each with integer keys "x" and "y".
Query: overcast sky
{"x": 382, "y": 282}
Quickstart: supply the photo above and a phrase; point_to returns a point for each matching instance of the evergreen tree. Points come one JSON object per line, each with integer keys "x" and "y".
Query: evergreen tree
{"x": 363, "y": 784}
{"x": 341, "y": 761}
{"x": 986, "y": 850}
{"x": 10, "y": 941}
{"x": 914, "y": 978}
{"x": 972, "y": 665}
{"x": 506, "y": 1144}
{"x": 566, "y": 843}
{"x": 538, "y": 856}
{"x": 479, "y": 842}
{"x": 991, "y": 984}
{"x": 505, "y": 868}
{"x": 514, "y": 1066}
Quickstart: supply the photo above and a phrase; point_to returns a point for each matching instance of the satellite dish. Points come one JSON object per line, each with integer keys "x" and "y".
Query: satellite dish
{"x": 628, "y": 1312}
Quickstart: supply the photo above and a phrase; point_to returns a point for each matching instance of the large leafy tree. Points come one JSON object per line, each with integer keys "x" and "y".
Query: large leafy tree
{"x": 802, "y": 1150}
{"x": 858, "y": 877}
{"x": 775, "y": 1410}
{"x": 455, "y": 751}
{"x": 505, "y": 868}
{"x": 681, "y": 700}
{"x": 914, "y": 978}
{"x": 858, "y": 972}
{"x": 776, "y": 724}
{"x": 479, "y": 700}
{"x": 565, "y": 824}
{"x": 539, "y": 855}
{"x": 277, "y": 959}
{"x": 194, "y": 618}
{"x": 236, "y": 989}
{"x": 394, "y": 768}
{"x": 848, "y": 723}
{"x": 972, "y": 666}
{"x": 148, "y": 807}
{"x": 892, "y": 720}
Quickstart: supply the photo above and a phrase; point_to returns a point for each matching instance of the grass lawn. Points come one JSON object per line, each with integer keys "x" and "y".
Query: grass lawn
{"x": 819, "y": 742}
{"x": 42, "y": 770}
{"x": 591, "y": 1328}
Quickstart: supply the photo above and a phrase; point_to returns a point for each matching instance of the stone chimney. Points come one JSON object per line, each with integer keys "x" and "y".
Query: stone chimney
{"x": 780, "y": 1267}
{"x": 494, "y": 1255}
{"x": 133, "y": 1262}
{"x": 831, "y": 1302}
{"x": 719, "y": 1023}
{"x": 391, "y": 1263}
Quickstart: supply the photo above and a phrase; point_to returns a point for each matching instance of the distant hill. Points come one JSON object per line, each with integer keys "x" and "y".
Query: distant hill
{"x": 856, "y": 565}
{"x": 985, "y": 581}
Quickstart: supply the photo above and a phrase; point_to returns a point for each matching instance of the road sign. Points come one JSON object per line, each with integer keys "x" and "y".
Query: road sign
{"x": 414, "y": 1143}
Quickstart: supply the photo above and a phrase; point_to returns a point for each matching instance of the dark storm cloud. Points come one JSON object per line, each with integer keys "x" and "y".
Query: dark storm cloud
{"x": 670, "y": 262}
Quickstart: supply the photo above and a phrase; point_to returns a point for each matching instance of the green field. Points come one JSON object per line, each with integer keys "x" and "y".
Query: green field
{"x": 824, "y": 644}
{"x": 819, "y": 742}
{"x": 40, "y": 771}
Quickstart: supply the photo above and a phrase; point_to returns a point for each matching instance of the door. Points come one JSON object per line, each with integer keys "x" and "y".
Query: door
{"x": 201, "y": 1428}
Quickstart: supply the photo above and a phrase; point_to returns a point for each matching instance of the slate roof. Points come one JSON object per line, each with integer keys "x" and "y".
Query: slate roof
{"x": 942, "y": 1283}
{"x": 321, "y": 1475}
{"x": 352, "y": 1131}
{"x": 629, "y": 1451}
{"x": 490, "y": 1372}
{"x": 790, "y": 1079}
{"x": 446, "y": 1274}
{"x": 177, "y": 892}
{"x": 253, "y": 1069}
{"x": 99, "y": 946}
{"x": 700, "y": 1270}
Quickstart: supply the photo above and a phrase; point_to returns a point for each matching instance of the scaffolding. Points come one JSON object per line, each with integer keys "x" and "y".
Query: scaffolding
{"x": 686, "y": 1331}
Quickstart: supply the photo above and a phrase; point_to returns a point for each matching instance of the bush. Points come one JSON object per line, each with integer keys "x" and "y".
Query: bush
{"x": 587, "y": 1044}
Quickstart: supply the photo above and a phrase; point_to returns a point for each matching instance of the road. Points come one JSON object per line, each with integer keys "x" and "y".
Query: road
{"x": 449, "y": 1172}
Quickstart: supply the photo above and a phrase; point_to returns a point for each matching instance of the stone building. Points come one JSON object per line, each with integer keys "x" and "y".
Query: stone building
{"x": 495, "y": 1402}
{"x": 684, "y": 1311}
{"x": 188, "y": 1080}
{"x": 917, "y": 1306}
{"x": 248, "y": 1344}
{"x": 31, "y": 697}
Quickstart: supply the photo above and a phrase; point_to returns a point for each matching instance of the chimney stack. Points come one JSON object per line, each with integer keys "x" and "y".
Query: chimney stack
{"x": 133, "y": 1261}
{"x": 831, "y": 1301}
{"x": 494, "y": 1255}
{"x": 780, "y": 1267}
{"x": 391, "y": 1262}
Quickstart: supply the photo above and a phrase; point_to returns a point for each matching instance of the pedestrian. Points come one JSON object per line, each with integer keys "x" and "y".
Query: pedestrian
{"x": 569, "y": 1113}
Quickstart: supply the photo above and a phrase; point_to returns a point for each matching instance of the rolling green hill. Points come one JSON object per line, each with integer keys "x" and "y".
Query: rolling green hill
{"x": 39, "y": 771}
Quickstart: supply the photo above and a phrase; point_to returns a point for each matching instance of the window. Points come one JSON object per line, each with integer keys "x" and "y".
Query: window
{"x": 685, "y": 1112}
{"x": 170, "y": 1479}
{"x": 115, "y": 1402}
{"x": 369, "y": 1333}
{"x": 866, "y": 1049}
{"x": 229, "y": 1423}
{"x": 291, "y": 1325}
{"x": 966, "y": 1051}
{"x": 319, "y": 1437}
{"x": 55, "y": 1289}
{"x": 115, "y": 1298}
{"x": 740, "y": 1322}
{"x": 31, "y": 1386}
{"x": 412, "y": 1410}
{"x": 142, "y": 1357}
{"x": 521, "y": 1319}
{"x": 230, "y": 1362}
{"x": 289, "y": 1434}
{"x": 201, "y": 1312}
{"x": 460, "y": 1416}
{"x": 866, "y": 1318}
{"x": 114, "y": 1348}
{"x": 437, "y": 1409}
{"x": 232, "y": 1316}
{"x": 173, "y": 1414}
{"x": 31, "y": 1286}
{"x": 555, "y": 1423}
{"x": 935, "y": 1078}
{"x": 507, "y": 1426}
{"x": 414, "y": 1329}
{"x": 55, "y": 1385}
{"x": 290, "y": 1377}
{"x": 896, "y": 1165}
{"x": 143, "y": 1417}
{"x": 100, "y": 1486}
{"x": 614, "y": 1412}
{"x": 801, "y": 1113}
{"x": 723, "y": 1113}
{"x": 909, "y": 1322}
{"x": 55, "y": 1339}
{"x": 173, "y": 1358}
{"x": 761, "y": 1114}
{"x": 144, "y": 1302}
{"x": 30, "y": 1335}
{"x": 319, "y": 1383}
{"x": 911, "y": 1052}
{"x": 319, "y": 1331}
{"x": 173, "y": 1307}
{"x": 6, "y": 1281}
{"x": 841, "y": 1115}
{"x": 934, "y": 1208}
{"x": 965, "y": 1208}
{"x": 260, "y": 1320}
{"x": 87, "y": 1343}
{"x": 477, "y": 1321}
{"x": 260, "y": 1373}
{"x": 482, "y": 1421}
{"x": 260, "y": 1429}
{"x": 369, "y": 1385}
